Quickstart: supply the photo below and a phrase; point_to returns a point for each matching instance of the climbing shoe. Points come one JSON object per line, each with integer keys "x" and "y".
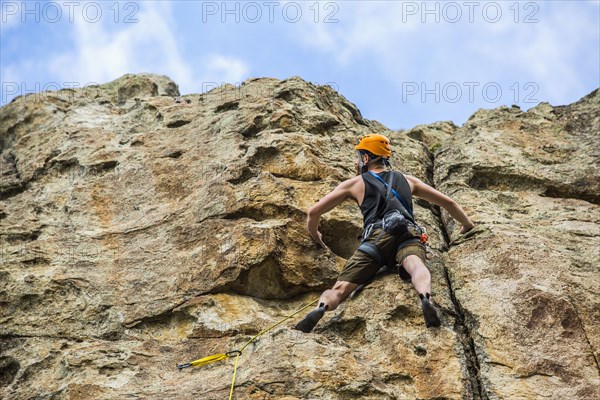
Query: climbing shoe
{"x": 431, "y": 318}
{"x": 309, "y": 322}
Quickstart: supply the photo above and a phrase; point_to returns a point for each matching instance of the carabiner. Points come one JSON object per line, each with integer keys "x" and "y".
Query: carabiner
{"x": 182, "y": 366}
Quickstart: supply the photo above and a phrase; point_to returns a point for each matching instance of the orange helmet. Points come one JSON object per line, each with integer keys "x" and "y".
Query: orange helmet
{"x": 376, "y": 144}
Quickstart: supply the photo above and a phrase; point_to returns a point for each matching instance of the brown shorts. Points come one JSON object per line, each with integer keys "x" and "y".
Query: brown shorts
{"x": 361, "y": 268}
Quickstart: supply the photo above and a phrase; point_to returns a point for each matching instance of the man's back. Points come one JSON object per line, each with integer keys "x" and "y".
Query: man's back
{"x": 375, "y": 201}
{"x": 356, "y": 186}
{"x": 356, "y": 190}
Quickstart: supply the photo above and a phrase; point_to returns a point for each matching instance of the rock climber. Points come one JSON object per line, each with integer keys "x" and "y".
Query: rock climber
{"x": 379, "y": 247}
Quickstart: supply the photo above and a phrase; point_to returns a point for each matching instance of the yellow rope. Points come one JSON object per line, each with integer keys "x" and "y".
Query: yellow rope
{"x": 278, "y": 323}
{"x": 259, "y": 335}
{"x": 218, "y": 357}
{"x": 234, "y": 373}
{"x": 208, "y": 360}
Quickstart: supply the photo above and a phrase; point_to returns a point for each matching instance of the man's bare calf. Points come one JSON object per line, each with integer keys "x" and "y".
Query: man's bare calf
{"x": 328, "y": 301}
{"x": 340, "y": 291}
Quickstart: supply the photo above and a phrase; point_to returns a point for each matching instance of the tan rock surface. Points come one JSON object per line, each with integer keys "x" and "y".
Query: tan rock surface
{"x": 139, "y": 232}
{"x": 528, "y": 278}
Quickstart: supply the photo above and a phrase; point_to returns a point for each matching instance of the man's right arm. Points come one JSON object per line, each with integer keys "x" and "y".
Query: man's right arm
{"x": 326, "y": 204}
{"x": 428, "y": 193}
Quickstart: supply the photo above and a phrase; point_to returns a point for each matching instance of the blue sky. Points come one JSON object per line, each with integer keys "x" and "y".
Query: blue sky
{"x": 402, "y": 63}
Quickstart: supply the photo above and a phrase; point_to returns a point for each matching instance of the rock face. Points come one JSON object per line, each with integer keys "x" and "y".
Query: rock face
{"x": 527, "y": 280}
{"x": 139, "y": 231}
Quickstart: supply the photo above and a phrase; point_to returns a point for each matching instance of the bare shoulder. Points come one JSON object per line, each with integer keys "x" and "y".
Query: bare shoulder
{"x": 355, "y": 186}
{"x": 352, "y": 181}
{"x": 412, "y": 182}
{"x": 426, "y": 192}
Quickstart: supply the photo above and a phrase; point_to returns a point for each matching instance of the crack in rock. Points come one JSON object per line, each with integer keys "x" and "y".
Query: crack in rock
{"x": 461, "y": 327}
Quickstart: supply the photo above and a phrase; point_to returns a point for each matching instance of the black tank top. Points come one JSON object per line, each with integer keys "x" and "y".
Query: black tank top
{"x": 375, "y": 192}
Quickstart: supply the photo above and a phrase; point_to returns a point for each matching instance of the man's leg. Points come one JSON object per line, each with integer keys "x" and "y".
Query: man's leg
{"x": 340, "y": 291}
{"x": 361, "y": 268}
{"x": 419, "y": 274}
{"x": 421, "y": 280}
{"x": 328, "y": 301}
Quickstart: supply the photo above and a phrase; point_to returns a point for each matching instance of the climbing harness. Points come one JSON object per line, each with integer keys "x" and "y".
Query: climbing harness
{"x": 237, "y": 353}
{"x": 396, "y": 222}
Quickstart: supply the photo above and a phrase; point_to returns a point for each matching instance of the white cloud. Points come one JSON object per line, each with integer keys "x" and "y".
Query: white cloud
{"x": 10, "y": 15}
{"x": 102, "y": 53}
{"x": 376, "y": 40}
{"x": 219, "y": 68}
{"x": 363, "y": 27}
{"x": 550, "y": 52}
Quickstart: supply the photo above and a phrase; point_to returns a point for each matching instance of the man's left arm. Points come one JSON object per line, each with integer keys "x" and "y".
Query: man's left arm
{"x": 326, "y": 204}
{"x": 433, "y": 196}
